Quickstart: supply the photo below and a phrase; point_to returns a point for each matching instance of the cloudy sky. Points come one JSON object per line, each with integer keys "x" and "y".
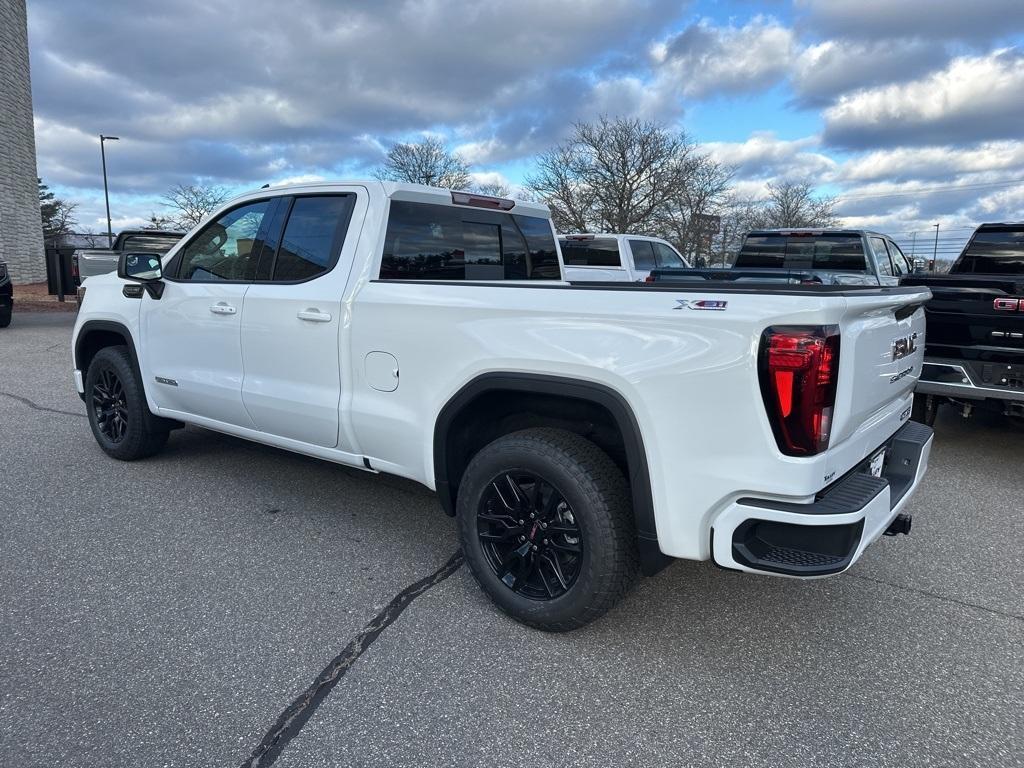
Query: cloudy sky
{"x": 911, "y": 112}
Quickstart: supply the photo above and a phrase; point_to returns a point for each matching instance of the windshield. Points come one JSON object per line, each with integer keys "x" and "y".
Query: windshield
{"x": 154, "y": 243}
{"x": 993, "y": 253}
{"x": 776, "y": 250}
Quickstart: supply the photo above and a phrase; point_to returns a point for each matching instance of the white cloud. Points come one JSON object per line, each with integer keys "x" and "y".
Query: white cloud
{"x": 928, "y": 19}
{"x": 764, "y": 155}
{"x": 824, "y": 71}
{"x": 973, "y": 98}
{"x": 703, "y": 59}
{"x": 934, "y": 163}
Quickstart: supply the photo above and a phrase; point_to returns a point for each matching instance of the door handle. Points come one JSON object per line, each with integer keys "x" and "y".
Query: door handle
{"x": 222, "y": 308}
{"x": 314, "y": 316}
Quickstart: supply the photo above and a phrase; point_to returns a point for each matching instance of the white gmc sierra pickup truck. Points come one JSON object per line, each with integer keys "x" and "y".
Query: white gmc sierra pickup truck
{"x": 576, "y": 431}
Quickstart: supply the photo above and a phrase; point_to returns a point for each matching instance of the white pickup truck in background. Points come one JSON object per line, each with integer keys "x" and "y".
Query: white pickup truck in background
{"x": 616, "y": 258}
{"x": 575, "y": 431}
{"x": 88, "y": 262}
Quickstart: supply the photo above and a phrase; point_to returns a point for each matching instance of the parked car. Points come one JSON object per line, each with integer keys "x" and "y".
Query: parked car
{"x": 974, "y": 350}
{"x": 98, "y": 261}
{"x": 827, "y": 256}
{"x": 6, "y": 295}
{"x": 573, "y": 430}
{"x": 615, "y": 258}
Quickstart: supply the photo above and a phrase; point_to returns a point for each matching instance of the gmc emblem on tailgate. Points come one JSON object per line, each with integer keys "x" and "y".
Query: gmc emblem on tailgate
{"x": 904, "y": 346}
{"x": 1009, "y": 305}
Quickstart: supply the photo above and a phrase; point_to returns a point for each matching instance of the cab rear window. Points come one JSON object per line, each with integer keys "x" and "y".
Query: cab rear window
{"x": 440, "y": 242}
{"x": 591, "y": 252}
{"x": 993, "y": 253}
{"x": 841, "y": 253}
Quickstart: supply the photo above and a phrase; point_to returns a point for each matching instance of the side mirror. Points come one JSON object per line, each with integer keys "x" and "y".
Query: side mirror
{"x": 141, "y": 267}
{"x": 920, "y": 266}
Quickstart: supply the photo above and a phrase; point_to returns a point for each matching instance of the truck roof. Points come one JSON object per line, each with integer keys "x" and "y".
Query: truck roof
{"x": 400, "y": 190}
{"x": 151, "y": 232}
{"x": 589, "y": 235}
{"x": 816, "y": 231}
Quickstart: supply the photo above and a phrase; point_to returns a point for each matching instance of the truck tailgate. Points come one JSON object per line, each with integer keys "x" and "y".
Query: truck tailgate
{"x": 880, "y": 357}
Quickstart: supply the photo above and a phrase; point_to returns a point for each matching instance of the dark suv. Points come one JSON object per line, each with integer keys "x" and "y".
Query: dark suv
{"x": 6, "y": 296}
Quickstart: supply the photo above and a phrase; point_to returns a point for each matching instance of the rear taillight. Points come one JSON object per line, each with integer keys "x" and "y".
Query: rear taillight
{"x": 799, "y": 368}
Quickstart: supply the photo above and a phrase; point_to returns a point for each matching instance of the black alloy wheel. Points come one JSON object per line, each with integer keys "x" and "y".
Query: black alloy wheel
{"x": 115, "y": 401}
{"x": 529, "y": 535}
{"x": 110, "y": 406}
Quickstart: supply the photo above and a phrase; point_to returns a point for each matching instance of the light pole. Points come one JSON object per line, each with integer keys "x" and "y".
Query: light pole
{"x": 935, "y": 249}
{"x": 106, "y": 195}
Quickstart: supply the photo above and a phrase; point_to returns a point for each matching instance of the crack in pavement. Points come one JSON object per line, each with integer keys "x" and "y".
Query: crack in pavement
{"x": 296, "y": 714}
{"x": 37, "y": 407}
{"x": 937, "y": 596}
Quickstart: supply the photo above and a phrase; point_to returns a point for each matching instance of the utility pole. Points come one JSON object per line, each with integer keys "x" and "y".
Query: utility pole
{"x": 106, "y": 195}
{"x": 935, "y": 249}
{"x": 913, "y": 245}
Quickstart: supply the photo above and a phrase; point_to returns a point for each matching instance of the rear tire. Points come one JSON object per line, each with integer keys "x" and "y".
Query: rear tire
{"x": 545, "y": 523}
{"x": 5, "y": 317}
{"x": 118, "y": 414}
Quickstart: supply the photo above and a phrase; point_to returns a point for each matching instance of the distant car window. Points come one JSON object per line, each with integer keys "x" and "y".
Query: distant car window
{"x": 643, "y": 254}
{"x": 151, "y": 243}
{"x": 440, "y": 242}
{"x": 312, "y": 238}
{"x": 223, "y": 248}
{"x": 667, "y": 257}
{"x": 881, "y": 255}
{"x": 834, "y": 252}
{"x": 762, "y": 252}
{"x": 993, "y": 252}
{"x": 596, "y": 252}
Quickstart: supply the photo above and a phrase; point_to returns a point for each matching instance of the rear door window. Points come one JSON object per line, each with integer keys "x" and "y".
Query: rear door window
{"x": 643, "y": 254}
{"x": 993, "y": 252}
{"x": 591, "y": 252}
{"x": 312, "y": 237}
{"x": 439, "y": 242}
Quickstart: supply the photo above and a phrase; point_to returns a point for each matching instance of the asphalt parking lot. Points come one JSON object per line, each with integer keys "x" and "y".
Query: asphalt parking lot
{"x": 173, "y": 612}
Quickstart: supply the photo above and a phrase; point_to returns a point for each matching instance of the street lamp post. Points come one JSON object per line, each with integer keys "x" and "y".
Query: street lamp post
{"x": 106, "y": 195}
{"x": 935, "y": 248}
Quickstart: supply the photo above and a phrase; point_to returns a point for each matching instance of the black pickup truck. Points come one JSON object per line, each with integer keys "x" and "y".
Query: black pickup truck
{"x": 974, "y": 344}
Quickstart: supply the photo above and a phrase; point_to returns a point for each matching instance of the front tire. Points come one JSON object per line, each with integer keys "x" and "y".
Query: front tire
{"x": 118, "y": 413}
{"x": 5, "y": 317}
{"x": 545, "y": 523}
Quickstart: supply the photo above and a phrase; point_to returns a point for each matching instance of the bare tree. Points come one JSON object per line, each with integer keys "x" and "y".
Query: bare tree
{"x": 701, "y": 191}
{"x": 426, "y": 162}
{"x": 494, "y": 189}
{"x": 190, "y": 204}
{"x": 615, "y": 175}
{"x": 793, "y": 204}
{"x": 157, "y": 221}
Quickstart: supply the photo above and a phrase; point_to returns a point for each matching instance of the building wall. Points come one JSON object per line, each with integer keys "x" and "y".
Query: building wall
{"x": 21, "y": 234}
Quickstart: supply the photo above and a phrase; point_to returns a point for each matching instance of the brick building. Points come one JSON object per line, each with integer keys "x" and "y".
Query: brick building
{"x": 21, "y": 235}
